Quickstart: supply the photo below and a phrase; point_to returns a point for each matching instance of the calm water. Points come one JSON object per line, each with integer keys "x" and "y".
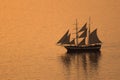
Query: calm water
{"x": 29, "y": 30}
{"x": 55, "y": 64}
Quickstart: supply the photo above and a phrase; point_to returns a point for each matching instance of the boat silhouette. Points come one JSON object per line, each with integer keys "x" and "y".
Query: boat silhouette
{"x": 90, "y": 40}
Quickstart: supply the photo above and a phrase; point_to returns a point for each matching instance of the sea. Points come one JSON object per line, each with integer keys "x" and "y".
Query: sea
{"x": 38, "y": 62}
{"x": 30, "y": 29}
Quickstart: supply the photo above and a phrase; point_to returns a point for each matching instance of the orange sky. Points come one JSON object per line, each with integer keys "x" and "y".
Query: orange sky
{"x": 34, "y": 22}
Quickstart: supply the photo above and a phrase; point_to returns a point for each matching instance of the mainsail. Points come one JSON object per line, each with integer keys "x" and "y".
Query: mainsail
{"x": 93, "y": 38}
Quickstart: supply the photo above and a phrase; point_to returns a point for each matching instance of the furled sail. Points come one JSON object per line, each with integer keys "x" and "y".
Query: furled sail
{"x": 72, "y": 42}
{"x": 84, "y": 34}
{"x": 93, "y": 38}
{"x": 63, "y": 38}
{"x": 83, "y": 28}
{"x": 82, "y": 42}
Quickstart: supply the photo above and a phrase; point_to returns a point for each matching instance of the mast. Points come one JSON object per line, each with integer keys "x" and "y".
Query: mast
{"x": 76, "y": 33}
{"x": 89, "y": 31}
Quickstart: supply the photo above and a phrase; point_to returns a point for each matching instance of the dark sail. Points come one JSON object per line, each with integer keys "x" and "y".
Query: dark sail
{"x": 73, "y": 41}
{"x": 66, "y": 40}
{"x": 63, "y": 38}
{"x": 82, "y": 42}
{"x": 93, "y": 38}
{"x": 83, "y": 28}
{"x": 84, "y": 34}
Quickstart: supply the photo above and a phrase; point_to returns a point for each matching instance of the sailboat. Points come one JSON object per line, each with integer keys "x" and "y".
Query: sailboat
{"x": 90, "y": 40}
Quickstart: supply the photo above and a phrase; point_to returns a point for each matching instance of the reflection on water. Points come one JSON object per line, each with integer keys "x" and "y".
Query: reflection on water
{"x": 77, "y": 65}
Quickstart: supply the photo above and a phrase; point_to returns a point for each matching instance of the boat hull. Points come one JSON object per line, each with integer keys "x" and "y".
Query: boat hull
{"x": 83, "y": 48}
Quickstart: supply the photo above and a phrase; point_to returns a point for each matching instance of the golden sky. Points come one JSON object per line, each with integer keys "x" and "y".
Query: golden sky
{"x": 34, "y": 22}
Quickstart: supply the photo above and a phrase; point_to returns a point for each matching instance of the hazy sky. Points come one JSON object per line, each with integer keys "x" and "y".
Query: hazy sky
{"x": 34, "y": 22}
